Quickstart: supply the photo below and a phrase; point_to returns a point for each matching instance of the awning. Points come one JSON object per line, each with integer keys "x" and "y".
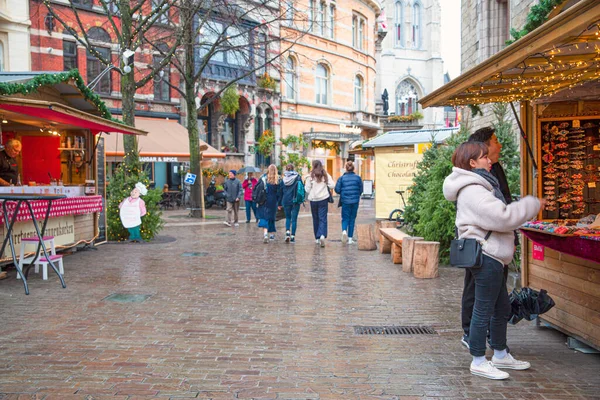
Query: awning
{"x": 43, "y": 113}
{"x": 410, "y": 137}
{"x": 167, "y": 140}
{"x": 561, "y": 54}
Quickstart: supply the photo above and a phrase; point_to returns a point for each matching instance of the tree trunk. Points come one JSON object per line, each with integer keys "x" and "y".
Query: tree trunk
{"x": 366, "y": 237}
{"x": 408, "y": 252}
{"x": 426, "y": 259}
{"x": 128, "y": 86}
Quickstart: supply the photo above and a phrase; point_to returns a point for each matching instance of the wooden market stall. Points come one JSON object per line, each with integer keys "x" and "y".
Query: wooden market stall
{"x": 554, "y": 73}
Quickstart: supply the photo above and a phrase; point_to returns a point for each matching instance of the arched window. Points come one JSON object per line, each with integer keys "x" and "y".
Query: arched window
{"x": 262, "y": 122}
{"x": 358, "y": 92}
{"x": 406, "y": 98}
{"x": 100, "y": 41}
{"x": 290, "y": 78}
{"x": 399, "y": 24}
{"x": 322, "y": 84}
{"x": 162, "y": 91}
{"x": 416, "y": 27}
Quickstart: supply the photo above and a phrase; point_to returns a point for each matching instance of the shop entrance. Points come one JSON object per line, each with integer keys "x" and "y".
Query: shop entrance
{"x": 330, "y": 167}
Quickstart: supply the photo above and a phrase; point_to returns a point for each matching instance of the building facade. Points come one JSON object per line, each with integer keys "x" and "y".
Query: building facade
{"x": 14, "y": 36}
{"x": 328, "y": 79}
{"x": 410, "y": 64}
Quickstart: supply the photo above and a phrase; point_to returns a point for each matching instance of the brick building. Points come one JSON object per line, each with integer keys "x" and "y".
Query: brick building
{"x": 14, "y": 35}
{"x": 328, "y": 84}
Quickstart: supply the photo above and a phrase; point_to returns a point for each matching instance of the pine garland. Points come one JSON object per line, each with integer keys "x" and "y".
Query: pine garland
{"x": 537, "y": 16}
{"x": 321, "y": 144}
{"x": 33, "y": 85}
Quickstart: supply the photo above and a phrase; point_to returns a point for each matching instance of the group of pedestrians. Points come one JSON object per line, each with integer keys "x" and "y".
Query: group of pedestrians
{"x": 270, "y": 193}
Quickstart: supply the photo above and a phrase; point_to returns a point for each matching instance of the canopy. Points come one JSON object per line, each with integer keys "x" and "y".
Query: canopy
{"x": 43, "y": 113}
{"x": 559, "y": 55}
{"x": 166, "y": 138}
{"x": 409, "y": 137}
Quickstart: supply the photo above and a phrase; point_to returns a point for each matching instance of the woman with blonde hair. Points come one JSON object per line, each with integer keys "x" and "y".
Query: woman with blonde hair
{"x": 266, "y": 212}
{"x": 318, "y": 186}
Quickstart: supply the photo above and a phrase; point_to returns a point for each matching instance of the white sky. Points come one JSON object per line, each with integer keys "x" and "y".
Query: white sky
{"x": 451, "y": 36}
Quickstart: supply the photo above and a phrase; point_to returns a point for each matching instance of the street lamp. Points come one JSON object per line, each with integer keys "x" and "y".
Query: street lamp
{"x": 127, "y": 61}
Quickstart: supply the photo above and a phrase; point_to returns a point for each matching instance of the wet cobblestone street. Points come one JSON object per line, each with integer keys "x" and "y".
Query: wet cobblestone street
{"x": 238, "y": 319}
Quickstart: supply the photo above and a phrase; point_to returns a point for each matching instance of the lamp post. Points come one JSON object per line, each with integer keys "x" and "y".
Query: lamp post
{"x": 127, "y": 61}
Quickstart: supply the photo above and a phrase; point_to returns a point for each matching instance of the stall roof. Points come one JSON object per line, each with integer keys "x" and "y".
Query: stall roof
{"x": 405, "y": 138}
{"x": 561, "y": 54}
{"x": 166, "y": 138}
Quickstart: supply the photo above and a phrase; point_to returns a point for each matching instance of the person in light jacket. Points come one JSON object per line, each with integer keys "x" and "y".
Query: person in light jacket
{"x": 350, "y": 188}
{"x": 249, "y": 184}
{"x": 233, "y": 194}
{"x": 481, "y": 208}
{"x": 289, "y": 187}
{"x": 318, "y": 186}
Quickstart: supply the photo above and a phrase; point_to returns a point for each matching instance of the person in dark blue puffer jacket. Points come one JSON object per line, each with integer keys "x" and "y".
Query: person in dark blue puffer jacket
{"x": 350, "y": 188}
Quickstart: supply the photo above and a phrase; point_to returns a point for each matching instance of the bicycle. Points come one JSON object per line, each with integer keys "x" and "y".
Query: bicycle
{"x": 398, "y": 213}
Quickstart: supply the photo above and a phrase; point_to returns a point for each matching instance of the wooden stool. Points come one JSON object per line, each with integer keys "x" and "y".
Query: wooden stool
{"x": 426, "y": 259}
{"x": 408, "y": 252}
{"x": 366, "y": 237}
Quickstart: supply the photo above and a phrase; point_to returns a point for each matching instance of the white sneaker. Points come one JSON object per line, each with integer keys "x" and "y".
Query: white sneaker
{"x": 509, "y": 362}
{"x": 318, "y": 241}
{"x": 350, "y": 241}
{"x": 287, "y": 236}
{"x": 322, "y": 241}
{"x": 226, "y": 223}
{"x": 465, "y": 341}
{"x": 236, "y": 224}
{"x": 344, "y": 237}
{"x": 487, "y": 370}
{"x": 266, "y": 239}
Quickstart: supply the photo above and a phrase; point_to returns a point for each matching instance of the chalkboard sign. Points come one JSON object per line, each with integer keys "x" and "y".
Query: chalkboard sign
{"x": 101, "y": 182}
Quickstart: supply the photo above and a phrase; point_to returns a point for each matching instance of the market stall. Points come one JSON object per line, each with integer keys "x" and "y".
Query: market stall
{"x": 553, "y": 72}
{"x": 58, "y": 122}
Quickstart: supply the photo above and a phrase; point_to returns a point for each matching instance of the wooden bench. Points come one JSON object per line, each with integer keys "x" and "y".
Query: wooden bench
{"x": 390, "y": 241}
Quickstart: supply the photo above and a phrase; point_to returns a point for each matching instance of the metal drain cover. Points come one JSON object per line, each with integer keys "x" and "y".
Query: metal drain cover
{"x": 224, "y": 234}
{"x": 195, "y": 254}
{"x": 394, "y": 330}
{"x": 127, "y": 298}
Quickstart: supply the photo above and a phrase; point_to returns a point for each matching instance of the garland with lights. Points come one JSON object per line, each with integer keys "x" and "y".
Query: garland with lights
{"x": 538, "y": 14}
{"x": 321, "y": 144}
{"x": 31, "y": 86}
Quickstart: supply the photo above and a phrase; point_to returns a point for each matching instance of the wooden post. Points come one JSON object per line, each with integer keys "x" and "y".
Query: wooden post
{"x": 408, "y": 252}
{"x": 396, "y": 253}
{"x": 366, "y": 237}
{"x": 426, "y": 259}
{"x": 385, "y": 245}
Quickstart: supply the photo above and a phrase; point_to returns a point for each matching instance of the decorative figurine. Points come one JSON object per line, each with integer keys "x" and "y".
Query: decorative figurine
{"x": 132, "y": 209}
{"x": 385, "y": 98}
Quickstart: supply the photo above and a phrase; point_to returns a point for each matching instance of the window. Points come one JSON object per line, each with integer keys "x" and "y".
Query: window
{"x": 260, "y": 57}
{"x": 212, "y": 33}
{"x": 358, "y": 92}
{"x": 112, "y": 7}
{"x": 163, "y": 19}
{"x": 354, "y": 29}
{"x": 416, "y": 27}
{"x": 322, "y": 84}
{"x": 94, "y": 65}
{"x": 311, "y": 15}
{"x": 358, "y": 32}
{"x": 322, "y": 18}
{"x": 406, "y": 98}
{"x": 290, "y": 79}
{"x": 238, "y": 54}
{"x": 398, "y": 24}
{"x": 69, "y": 55}
{"x": 289, "y": 13}
{"x": 331, "y": 21}
{"x": 83, "y": 3}
{"x": 162, "y": 91}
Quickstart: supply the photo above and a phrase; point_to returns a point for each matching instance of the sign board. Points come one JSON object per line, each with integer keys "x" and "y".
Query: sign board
{"x": 101, "y": 182}
{"x": 190, "y": 179}
{"x": 62, "y": 228}
{"x": 159, "y": 159}
{"x": 394, "y": 170}
{"x": 538, "y": 252}
{"x": 350, "y": 129}
{"x": 367, "y": 189}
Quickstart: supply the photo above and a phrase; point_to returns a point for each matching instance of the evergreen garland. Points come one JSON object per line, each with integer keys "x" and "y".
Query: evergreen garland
{"x": 322, "y": 144}
{"x": 538, "y": 14}
{"x": 31, "y": 86}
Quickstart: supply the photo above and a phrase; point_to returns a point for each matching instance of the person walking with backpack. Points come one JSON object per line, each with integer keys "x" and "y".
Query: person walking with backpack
{"x": 318, "y": 186}
{"x": 292, "y": 195}
{"x": 267, "y": 195}
{"x": 249, "y": 184}
{"x": 350, "y": 188}
{"x": 233, "y": 194}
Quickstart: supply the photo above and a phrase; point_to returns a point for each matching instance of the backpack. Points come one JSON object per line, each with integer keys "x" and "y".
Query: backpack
{"x": 300, "y": 192}
{"x": 259, "y": 193}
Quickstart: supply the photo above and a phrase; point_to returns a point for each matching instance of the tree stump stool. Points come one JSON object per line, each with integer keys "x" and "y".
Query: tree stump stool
{"x": 426, "y": 259}
{"x": 396, "y": 253}
{"x": 366, "y": 237}
{"x": 408, "y": 252}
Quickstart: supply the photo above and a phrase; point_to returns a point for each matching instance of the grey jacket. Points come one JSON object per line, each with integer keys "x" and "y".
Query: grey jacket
{"x": 233, "y": 189}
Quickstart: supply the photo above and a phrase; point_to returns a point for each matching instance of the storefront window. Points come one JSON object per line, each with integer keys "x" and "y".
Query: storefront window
{"x": 229, "y": 137}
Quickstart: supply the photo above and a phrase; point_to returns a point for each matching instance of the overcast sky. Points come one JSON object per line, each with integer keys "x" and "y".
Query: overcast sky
{"x": 451, "y": 36}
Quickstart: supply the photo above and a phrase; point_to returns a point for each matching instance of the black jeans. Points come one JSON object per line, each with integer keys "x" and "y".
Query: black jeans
{"x": 319, "y": 210}
{"x": 492, "y": 307}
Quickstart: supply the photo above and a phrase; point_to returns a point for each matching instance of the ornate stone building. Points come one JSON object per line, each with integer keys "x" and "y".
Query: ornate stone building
{"x": 14, "y": 35}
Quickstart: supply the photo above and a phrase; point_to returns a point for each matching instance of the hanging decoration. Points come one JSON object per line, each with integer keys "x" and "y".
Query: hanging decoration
{"x": 230, "y": 100}
{"x": 321, "y": 144}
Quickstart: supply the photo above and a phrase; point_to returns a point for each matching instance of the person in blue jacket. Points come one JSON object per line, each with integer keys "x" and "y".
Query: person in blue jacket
{"x": 268, "y": 211}
{"x": 350, "y": 188}
{"x": 291, "y": 205}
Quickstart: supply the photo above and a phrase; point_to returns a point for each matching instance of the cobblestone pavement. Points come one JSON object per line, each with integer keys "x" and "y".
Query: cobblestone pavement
{"x": 244, "y": 320}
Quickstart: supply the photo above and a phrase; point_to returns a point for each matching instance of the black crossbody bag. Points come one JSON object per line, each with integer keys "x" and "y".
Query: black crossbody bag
{"x": 466, "y": 253}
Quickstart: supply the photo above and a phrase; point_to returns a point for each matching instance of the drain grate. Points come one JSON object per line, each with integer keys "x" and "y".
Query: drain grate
{"x": 127, "y": 298}
{"x": 394, "y": 330}
{"x": 195, "y": 254}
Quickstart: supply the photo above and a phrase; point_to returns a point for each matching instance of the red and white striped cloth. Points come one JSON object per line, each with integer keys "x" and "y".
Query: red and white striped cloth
{"x": 68, "y": 206}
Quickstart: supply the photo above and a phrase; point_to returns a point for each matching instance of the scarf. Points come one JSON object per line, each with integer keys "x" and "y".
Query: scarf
{"x": 485, "y": 174}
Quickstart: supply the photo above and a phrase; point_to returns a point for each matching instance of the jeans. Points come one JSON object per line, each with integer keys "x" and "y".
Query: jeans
{"x": 318, "y": 209}
{"x": 349, "y": 212}
{"x": 250, "y": 206}
{"x": 291, "y": 217}
{"x": 232, "y": 212}
{"x": 269, "y": 224}
{"x": 492, "y": 307}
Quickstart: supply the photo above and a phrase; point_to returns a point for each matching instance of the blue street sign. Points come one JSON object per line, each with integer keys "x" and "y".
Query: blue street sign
{"x": 190, "y": 178}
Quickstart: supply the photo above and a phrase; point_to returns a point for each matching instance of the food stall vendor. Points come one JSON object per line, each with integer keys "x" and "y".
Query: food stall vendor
{"x": 9, "y": 168}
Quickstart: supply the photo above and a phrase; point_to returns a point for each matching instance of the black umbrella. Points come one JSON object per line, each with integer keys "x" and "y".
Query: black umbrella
{"x": 528, "y": 303}
{"x": 245, "y": 170}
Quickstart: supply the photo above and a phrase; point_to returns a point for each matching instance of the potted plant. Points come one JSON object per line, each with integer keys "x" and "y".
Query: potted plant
{"x": 230, "y": 100}
{"x": 265, "y": 81}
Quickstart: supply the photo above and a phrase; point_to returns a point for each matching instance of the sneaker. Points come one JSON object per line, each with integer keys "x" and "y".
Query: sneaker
{"x": 344, "y": 237}
{"x": 350, "y": 241}
{"x": 266, "y": 239}
{"x": 287, "y": 236}
{"x": 487, "y": 370}
{"x": 236, "y": 224}
{"x": 293, "y": 239}
{"x": 509, "y": 362}
{"x": 226, "y": 223}
{"x": 321, "y": 241}
{"x": 465, "y": 341}
{"x": 272, "y": 237}
{"x": 318, "y": 241}
{"x": 248, "y": 221}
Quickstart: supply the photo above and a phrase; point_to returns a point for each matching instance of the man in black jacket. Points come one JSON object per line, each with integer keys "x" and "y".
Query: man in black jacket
{"x": 485, "y": 135}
